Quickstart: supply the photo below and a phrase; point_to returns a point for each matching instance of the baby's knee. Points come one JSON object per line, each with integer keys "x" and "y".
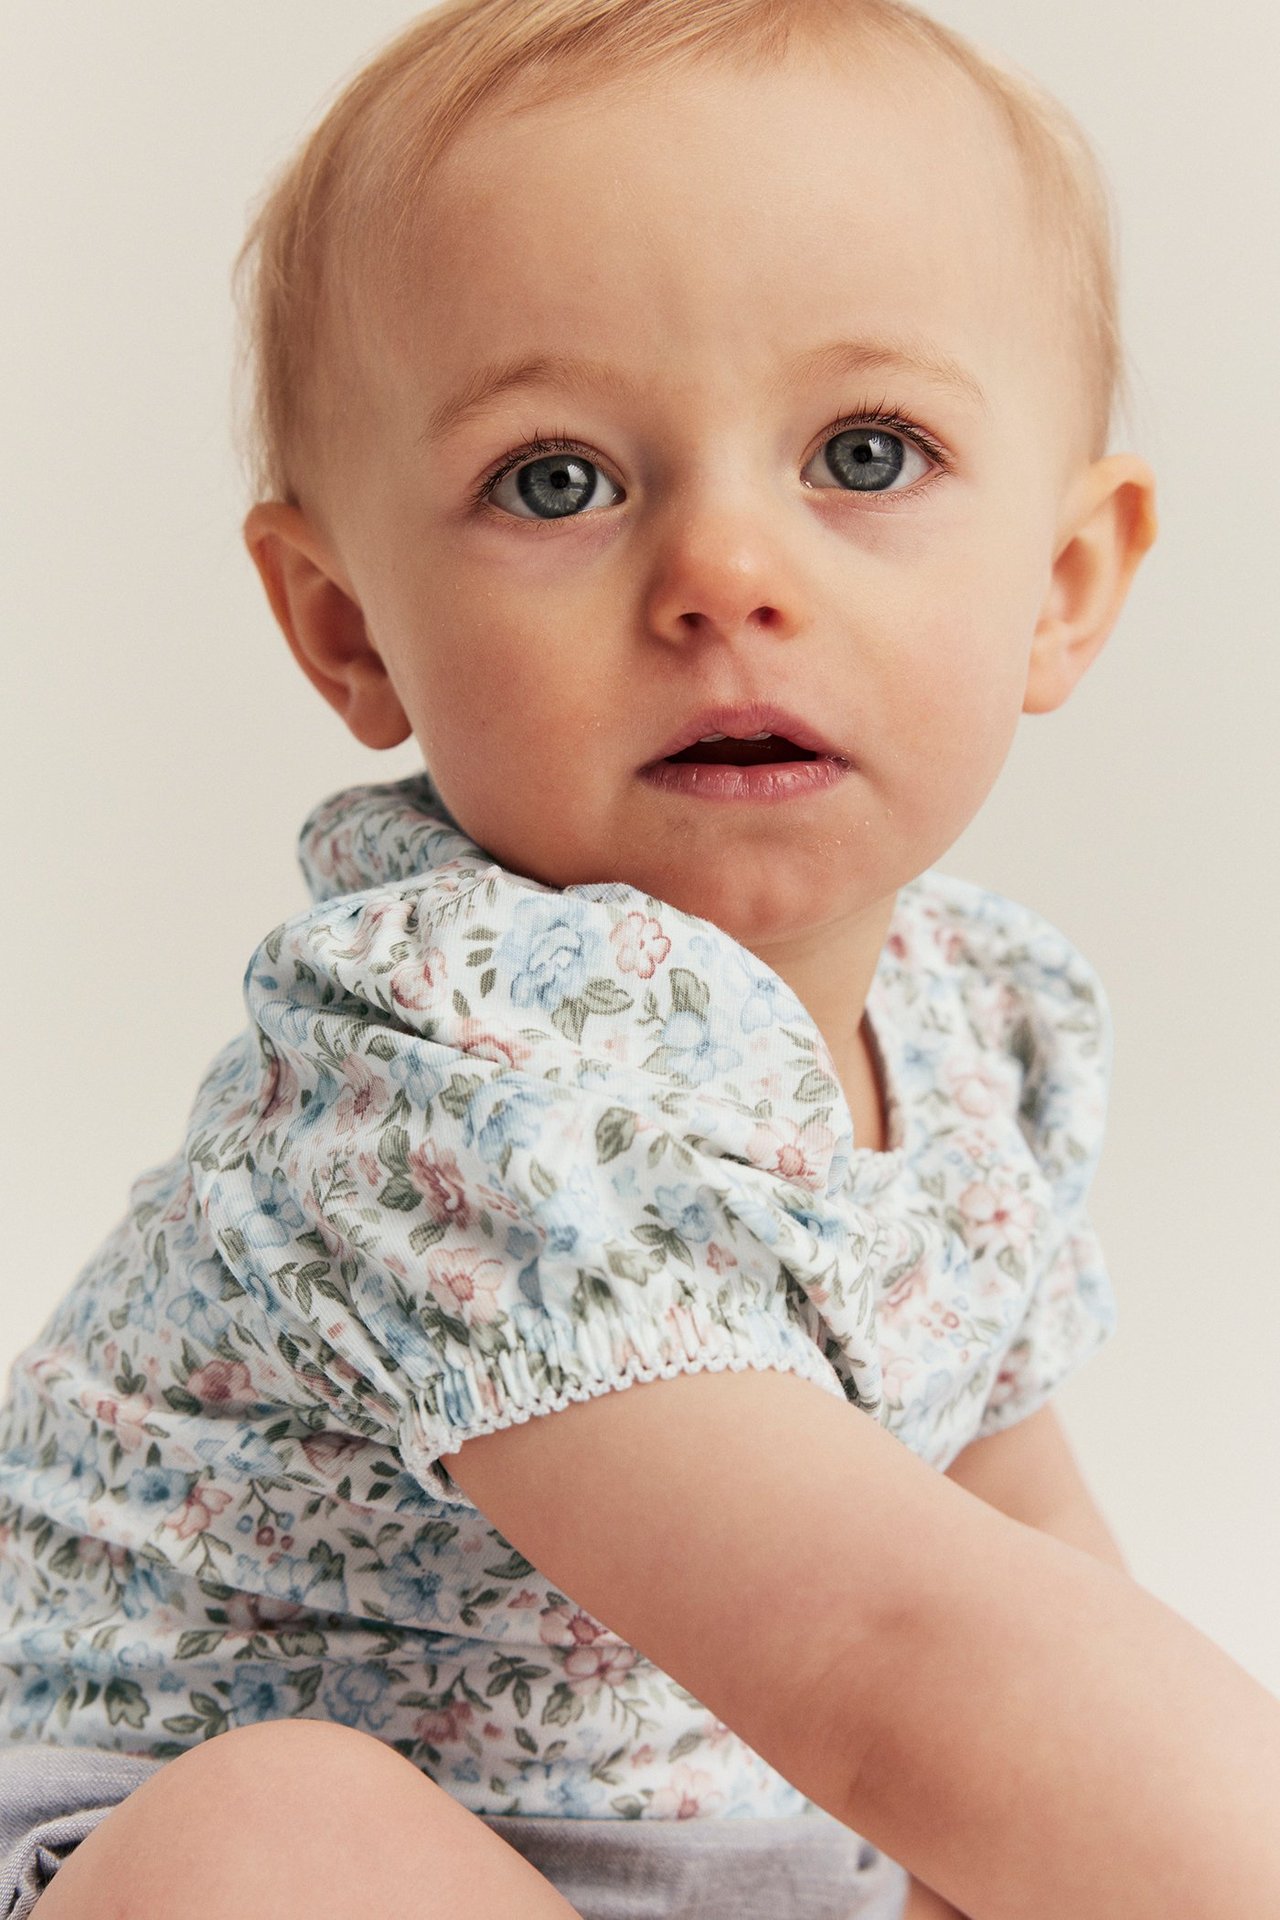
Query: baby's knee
{"x": 265, "y": 1819}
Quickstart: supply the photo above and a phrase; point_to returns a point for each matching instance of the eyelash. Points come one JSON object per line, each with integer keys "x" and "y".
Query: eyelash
{"x": 881, "y": 416}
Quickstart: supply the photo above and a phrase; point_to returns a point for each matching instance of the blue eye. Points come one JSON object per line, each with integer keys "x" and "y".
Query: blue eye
{"x": 553, "y": 487}
{"x": 867, "y": 459}
{"x": 554, "y": 479}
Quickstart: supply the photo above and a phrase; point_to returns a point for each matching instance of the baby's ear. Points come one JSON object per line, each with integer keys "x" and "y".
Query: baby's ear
{"x": 323, "y": 623}
{"x": 1109, "y": 524}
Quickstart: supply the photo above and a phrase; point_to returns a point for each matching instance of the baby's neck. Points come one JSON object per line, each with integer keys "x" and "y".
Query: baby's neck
{"x": 862, "y": 1091}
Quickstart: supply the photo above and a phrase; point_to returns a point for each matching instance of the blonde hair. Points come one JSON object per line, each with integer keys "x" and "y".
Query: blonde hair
{"x": 347, "y": 205}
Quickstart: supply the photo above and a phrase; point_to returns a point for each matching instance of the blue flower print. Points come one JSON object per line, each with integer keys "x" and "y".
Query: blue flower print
{"x": 40, "y": 1644}
{"x": 685, "y": 1209}
{"x": 256, "y": 1695}
{"x": 356, "y": 1695}
{"x": 35, "y": 1703}
{"x": 246, "y": 1455}
{"x": 698, "y": 1059}
{"x": 412, "y": 1586}
{"x": 547, "y": 957}
{"x": 516, "y": 1120}
{"x": 148, "y": 1587}
{"x": 286, "y": 1577}
{"x": 571, "y": 1803}
{"x": 323, "y": 1095}
{"x": 421, "y": 1069}
{"x": 573, "y": 1212}
{"x": 275, "y": 1215}
{"x": 286, "y": 1018}
{"x": 159, "y": 1489}
{"x": 198, "y": 1310}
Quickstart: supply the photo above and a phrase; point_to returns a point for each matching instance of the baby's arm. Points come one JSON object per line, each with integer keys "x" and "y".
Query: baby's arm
{"x": 1029, "y": 1472}
{"x": 1028, "y": 1730}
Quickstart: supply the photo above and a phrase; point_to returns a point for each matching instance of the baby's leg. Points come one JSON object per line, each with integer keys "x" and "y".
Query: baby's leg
{"x": 292, "y": 1820}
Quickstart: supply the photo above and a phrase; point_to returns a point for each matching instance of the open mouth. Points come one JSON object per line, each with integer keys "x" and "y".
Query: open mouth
{"x": 740, "y": 753}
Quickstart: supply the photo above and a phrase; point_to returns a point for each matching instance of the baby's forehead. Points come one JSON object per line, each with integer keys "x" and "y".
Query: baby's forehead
{"x": 696, "y": 228}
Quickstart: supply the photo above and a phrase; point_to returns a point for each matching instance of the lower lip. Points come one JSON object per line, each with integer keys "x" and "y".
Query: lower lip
{"x": 764, "y": 784}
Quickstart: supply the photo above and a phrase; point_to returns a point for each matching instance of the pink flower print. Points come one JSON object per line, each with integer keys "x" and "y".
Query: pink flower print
{"x": 370, "y": 920}
{"x": 202, "y": 1506}
{"x": 463, "y": 1277}
{"x": 1013, "y": 1216}
{"x": 178, "y": 1205}
{"x": 719, "y": 1258}
{"x": 363, "y": 1097}
{"x": 249, "y": 1612}
{"x": 639, "y": 945}
{"x": 690, "y": 1794}
{"x": 372, "y": 1170}
{"x": 588, "y": 1668}
{"x": 109, "y": 1353}
{"x": 284, "y": 1092}
{"x": 904, "y": 1287}
{"x": 445, "y": 1726}
{"x": 221, "y": 1380}
{"x": 326, "y": 1452}
{"x": 780, "y": 1147}
{"x": 644, "y": 1756}
{"x": 499, "y": 1202}
{"x": 691, "y": 1324}
{"x": 973, "y": 1091}
{"x": 897, "y": 1379}
{"x": 952, "y": 945}
{"x": 124, "y": 1417}
{"x": 420, "y": 986}
{"x": 504, "y": 1048}
{"x": 525, "y": 1598}
{"x": 441, "y": 1181}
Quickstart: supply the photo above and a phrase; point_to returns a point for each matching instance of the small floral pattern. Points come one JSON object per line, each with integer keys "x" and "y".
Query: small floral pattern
{"x": 485, "y": 1148}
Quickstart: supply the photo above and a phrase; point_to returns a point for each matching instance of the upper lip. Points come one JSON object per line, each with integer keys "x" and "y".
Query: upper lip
{"x": 742, "y": 721}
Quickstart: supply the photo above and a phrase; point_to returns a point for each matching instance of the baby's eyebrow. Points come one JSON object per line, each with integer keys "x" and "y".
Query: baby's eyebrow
{"x": 483, "y": 388}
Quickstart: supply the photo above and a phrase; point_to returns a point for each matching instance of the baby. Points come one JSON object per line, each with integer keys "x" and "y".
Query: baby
{"x": 687, "y": 419}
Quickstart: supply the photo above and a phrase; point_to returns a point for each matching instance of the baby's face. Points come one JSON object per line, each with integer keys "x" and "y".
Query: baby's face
{"x": 711, "y": 538}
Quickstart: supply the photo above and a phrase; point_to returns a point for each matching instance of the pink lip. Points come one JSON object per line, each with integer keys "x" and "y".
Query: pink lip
{"x": 740, "y": 722}
{"x": 766, "y": 783}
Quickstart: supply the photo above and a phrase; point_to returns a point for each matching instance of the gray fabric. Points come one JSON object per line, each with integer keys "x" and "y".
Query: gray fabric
{"x": 50, "y": 1798}
{"x": 807, "y": 1867}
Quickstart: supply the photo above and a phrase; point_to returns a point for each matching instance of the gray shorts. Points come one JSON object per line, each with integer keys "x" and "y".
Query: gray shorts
{"x": 802, "y": 1867}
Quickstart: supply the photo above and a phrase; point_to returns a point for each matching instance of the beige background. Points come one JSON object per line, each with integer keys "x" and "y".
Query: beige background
{"x": 161, "y": 749}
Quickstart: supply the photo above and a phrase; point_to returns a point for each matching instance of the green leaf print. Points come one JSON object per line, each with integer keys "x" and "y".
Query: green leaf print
{"x": 605, "y": 996}
{"x": 569, "y": 1018}
{"x": 393, "y": 1149}
{"x": 615, "y": 1131}
{"x": 689, "y": 994}
{"x": 545, "y": 1182}
{"x": 401, "y": 1194}
{"x": 125, "y": 1701}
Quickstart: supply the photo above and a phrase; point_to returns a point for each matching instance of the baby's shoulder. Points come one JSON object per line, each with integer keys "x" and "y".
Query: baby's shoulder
{"x": 1009, "y": 979}
{"x": 1000, "y": 954}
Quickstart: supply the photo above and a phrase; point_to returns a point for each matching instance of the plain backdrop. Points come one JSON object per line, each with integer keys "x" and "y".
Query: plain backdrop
{"x": 161, "y": 748}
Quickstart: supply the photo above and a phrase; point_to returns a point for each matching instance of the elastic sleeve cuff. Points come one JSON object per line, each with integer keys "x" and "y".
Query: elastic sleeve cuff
{"x": 463, "y": 1404}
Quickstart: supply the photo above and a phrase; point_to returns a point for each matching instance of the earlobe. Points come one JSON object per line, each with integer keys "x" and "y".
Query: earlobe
{"x": 1111, "y": 525}
{"x": 323, "y": 623}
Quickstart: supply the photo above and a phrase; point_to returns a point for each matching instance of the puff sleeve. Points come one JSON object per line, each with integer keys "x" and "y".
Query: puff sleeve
{"x": 495, "y": 1148}
{"x": 1061, "y": 1034}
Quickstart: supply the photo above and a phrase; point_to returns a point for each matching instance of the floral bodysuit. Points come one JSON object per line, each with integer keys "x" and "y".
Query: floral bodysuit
{"x": 484, "y": 1148}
